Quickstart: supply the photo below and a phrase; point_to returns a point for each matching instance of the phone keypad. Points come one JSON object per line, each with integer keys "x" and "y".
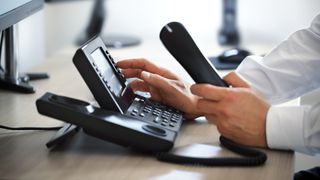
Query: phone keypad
{"x": 156, "y": 113}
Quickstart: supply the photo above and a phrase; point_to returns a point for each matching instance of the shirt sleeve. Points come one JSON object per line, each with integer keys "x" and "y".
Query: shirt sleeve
{"x": 303, "y": 135}
{"x": 287, "y": 72}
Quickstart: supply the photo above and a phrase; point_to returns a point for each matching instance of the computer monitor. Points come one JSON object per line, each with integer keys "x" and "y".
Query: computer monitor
{"x": 95, "y": 26}
{"x": 11, "y": 12}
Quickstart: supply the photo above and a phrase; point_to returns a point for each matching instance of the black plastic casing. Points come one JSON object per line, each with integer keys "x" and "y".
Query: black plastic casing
{"x": 107, "y": 125}
{"x": 102, "y": 94}
{"x": 180, "y": 44}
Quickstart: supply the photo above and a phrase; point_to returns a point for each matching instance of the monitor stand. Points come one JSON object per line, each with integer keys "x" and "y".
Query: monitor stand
{"x": 9, "y": 76}
{"x": 97, "y": 20}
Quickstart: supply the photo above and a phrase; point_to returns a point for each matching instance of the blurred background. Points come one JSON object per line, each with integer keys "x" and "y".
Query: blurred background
{"x": 263, "y": 22}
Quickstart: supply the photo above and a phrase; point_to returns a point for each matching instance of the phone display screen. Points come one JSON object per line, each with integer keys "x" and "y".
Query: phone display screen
{"x": 108, "y": 73}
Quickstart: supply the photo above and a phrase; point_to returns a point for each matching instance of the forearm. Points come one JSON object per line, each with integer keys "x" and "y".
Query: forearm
{"x": 289, "y": 70}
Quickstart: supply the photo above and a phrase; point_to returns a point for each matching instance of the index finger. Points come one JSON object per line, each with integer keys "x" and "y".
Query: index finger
{"x": 209, "y": 91}
{"x": 145, "y": 65}
{"x": 235, "y": 80}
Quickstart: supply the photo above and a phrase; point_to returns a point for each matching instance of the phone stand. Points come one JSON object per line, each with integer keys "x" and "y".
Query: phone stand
{"x": 65, "y": 132}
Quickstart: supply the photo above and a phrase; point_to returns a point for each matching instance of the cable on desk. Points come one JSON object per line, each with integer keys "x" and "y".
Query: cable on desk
{"x": 1, "y": 42}
{"x": 252, "y": 157}
{"x": 31, "y": 128}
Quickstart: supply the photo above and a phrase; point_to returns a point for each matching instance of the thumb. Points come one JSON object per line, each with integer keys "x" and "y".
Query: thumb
{"x": 235, "y": 80}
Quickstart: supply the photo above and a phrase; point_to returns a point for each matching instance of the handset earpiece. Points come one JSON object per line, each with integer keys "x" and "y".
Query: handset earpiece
{"x": 180, "y": 44}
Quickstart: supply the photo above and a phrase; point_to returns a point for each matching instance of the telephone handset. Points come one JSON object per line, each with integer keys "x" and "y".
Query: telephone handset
{"x": 123, "y": 117}
{"x": 180, "y": 44}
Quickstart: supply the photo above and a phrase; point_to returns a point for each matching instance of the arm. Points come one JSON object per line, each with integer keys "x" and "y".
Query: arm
{"x": 289, "y": 70}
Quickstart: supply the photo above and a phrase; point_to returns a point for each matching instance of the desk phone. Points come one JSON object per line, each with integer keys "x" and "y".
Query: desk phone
{"x": 123, "y": 117}
{"x": 132, "y": 120}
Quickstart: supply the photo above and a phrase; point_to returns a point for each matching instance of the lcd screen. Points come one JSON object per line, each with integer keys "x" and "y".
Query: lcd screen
{"x": 107, "y": 71}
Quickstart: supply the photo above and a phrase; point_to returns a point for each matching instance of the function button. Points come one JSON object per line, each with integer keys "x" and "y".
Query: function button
{"x": 108, "y": 85}
{"x": 135, "y": 110}
{"x": 133, "y": 113}
{"x": 93, "y": 64}
{"x": 122, "y": 76}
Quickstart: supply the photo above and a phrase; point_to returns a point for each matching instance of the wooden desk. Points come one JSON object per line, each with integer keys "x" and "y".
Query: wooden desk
{"x": 23, "y": 155}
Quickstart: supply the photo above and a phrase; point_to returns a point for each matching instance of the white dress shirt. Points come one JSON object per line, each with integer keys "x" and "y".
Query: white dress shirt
{"x": 289, "y": 71}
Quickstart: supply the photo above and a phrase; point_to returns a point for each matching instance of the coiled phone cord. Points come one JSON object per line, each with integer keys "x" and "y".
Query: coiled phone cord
{"x": 252, "y": 157}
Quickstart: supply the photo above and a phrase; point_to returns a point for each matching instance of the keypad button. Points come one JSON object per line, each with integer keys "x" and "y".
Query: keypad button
{"x": 165, "y": 117}
{"x": 141, "y": 114}
{"x": 165, "y": 121}
{"x": 146, "y": 110}
{"x": 173, "y": 120}
{"x": 164, "y": 124}
{"x": 155, "y": 113}
{"x": 135, "y": 110}
{"x": 156, "y": 120}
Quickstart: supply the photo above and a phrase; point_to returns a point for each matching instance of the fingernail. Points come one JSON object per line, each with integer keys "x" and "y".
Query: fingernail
{"x": 145, "y": 74}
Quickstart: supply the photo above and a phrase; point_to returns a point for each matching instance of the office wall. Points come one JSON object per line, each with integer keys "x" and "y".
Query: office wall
{"x": 263, "y": 21}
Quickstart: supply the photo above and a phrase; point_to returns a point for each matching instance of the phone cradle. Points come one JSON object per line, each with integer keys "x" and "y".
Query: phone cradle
{"x": 104, "y": 124}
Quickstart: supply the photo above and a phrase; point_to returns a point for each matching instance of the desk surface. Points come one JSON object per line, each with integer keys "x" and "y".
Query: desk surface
{"x": 23, "y": 154}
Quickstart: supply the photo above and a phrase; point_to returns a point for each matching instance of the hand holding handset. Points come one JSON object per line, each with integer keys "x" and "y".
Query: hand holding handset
{"x": 180, "y": 44}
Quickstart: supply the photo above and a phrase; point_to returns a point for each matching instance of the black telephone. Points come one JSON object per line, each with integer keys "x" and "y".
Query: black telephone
{"x": 129, "y": 119}
{"x": 124, "y": 117}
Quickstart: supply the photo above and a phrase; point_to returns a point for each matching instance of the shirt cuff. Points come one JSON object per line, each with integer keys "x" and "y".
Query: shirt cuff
{"x": 284, "y": 127}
